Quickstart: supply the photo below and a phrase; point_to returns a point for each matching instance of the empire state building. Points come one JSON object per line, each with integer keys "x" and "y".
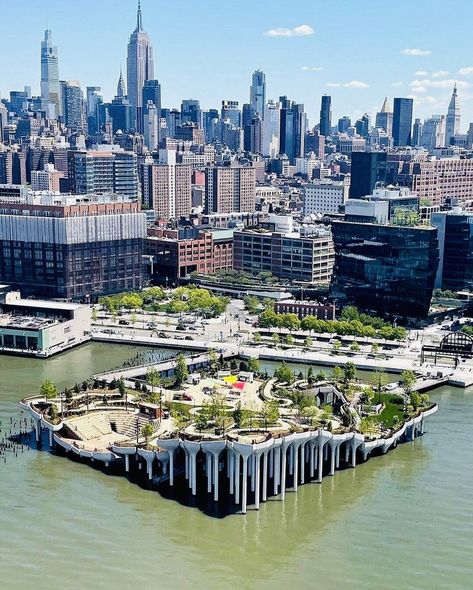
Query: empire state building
{"x": 140, "y": 67}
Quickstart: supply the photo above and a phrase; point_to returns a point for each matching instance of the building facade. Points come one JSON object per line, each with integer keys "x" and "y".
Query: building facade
{"x": 325, "y": 196}
{"x": 70, "y": 247}
{"x": 402, "y": 121}
{"x": 178, "y": 253}
{"x": 384, "y": 269}
{"x": 455, "y": 231}
{"x": 286, "y": 255}
{"x": 229, "y": 189}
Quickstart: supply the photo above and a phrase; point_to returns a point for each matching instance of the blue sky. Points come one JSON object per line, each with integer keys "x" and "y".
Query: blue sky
{"x": 356, "y": 50}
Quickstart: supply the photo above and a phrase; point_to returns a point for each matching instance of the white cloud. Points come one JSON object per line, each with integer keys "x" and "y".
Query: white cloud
{"x": 420, "y": 86}
{"x": 396, "y": 84}
{"x": 416, "y": 52}
{"x": 312, "y": 68}
{"x": 466, "y": 71}
{"x": 299, "y": 31}
{"x": 424, "y": 100}
{"x": 352, "y": 84}
{"x": 421, "y": 73}
{"x": 440, "y": 74}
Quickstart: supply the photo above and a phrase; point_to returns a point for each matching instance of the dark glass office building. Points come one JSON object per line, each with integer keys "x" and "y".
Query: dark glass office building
{"x": 385, "y": 269}
{"x": 325, "y": 115}
{"x": 402, "y": 121}
{"x": 455, "y": 230}
{"x": 367, "y": 168}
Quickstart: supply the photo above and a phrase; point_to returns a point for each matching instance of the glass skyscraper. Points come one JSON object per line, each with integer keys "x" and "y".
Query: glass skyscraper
{"x": 50, "y": 89}
{"x": 402, "y": 121}
{"x": 258, "y": 92}
{"x": 325, "y": 115}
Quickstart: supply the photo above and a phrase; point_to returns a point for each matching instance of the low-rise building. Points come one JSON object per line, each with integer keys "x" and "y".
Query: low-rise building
{"x": 176, "y": 253}
{"x": 41, "y": 328}
{"x": 284, "y": 252}
{"x": 304, "y": 308}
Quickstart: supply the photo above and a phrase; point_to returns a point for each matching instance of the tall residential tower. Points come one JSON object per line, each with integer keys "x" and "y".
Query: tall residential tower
{"x": 258, "y": 93}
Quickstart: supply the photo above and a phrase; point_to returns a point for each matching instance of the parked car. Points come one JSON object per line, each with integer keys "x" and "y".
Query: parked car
{"x": 182, "y": 328}
{"x": 188, "y": 338}
{"x": 123, "y": 322}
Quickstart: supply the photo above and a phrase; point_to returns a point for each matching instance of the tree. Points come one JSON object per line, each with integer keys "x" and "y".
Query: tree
{"x": 408, "y": 380}
{"x": 254, "y": 365}
{"x": 374, "y": 347}
{"x": 284, "y": 374}
{"x": 289, "y": 339}
{"x": 290, "y": 321}
{"x": 94, "y": 315}
{"x": 133, "y": 318}
{"x": 269, "y": 414}
{"x": 310, "y": 376}
{"x": 321, "y": 376}
{"x": 132, "y": 301}
{"x": 181, "y": 418}
{"x": 122, "y": 386}
{"x": 276, "y": 339}
{"x": 337, "y": 374}
{"x": 308, "y": 341}
{"x": 251, "y": 303}
{"x": 154, "y": 379}
{"x": 147, "y": 431}
{"x": 48, "y": 389}
{"x": 181, "y": 371}
{"x": 337, "y": 345}
{"x": 415, "y": 399}
{"x": 349, "y": 372}
{"x": 380, "y": 382}
{"x": 370, "y": 426}
{"x": 355, "y": 347}
{"x": 257, "y": 337}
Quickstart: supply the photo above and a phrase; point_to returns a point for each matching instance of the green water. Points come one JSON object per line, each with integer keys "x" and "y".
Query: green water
{"x": 404, "y": 520}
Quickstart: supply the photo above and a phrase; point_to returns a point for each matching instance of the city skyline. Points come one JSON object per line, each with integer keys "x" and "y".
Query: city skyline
{"x": 280, "y": 46}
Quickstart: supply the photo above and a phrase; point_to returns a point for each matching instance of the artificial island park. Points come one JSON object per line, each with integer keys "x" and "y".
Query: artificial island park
{"x": 241, "y": 402}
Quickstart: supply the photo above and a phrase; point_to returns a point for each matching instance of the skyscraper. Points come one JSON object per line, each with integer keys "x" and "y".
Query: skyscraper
{"x": 452, "y": 125}
{"x": 258, "y": 92}
{"x": 50, "y": 89}
{"x": 326, "y": 115}
{"x": 140, "y": 66}
{"x": 231, "y": 112}
{"x": 384, "y": 119}
{"x": 94, "y": 100}
{"x": 152, "y": 96}
{"x": 402, "y": 121}
{"x": 73, "y": 106}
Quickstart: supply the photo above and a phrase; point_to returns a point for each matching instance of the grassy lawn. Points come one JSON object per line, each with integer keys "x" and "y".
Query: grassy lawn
{"x": 393, "y": 406}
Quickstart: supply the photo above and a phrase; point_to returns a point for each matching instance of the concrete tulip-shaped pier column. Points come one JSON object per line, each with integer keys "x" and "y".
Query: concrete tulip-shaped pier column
{"x": 355, "y": 442}
{"x": 163, "y": 458}
{"x": 300, "y": 439}
{"x": 286, "y": 443}
{"x": 212, "y": 450}
{"x": 169, "y": 445}
{"x": 192, "y": 449}
{"x": 148, "y": 456}
{"x": 275, "y": 459}
{"x": 334, "y": 443}
{"x": 258, "y": 450}
{"x": 243, "y": 451}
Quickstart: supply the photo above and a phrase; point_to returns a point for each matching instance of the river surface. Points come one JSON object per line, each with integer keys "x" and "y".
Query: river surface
{"x": 401, "y": 521}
